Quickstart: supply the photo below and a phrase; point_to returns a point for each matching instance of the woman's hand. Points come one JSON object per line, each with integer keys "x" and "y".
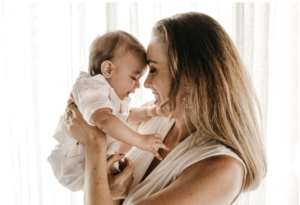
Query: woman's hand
{"x": 120, "y": 183}
{"x": 82, "y": 131}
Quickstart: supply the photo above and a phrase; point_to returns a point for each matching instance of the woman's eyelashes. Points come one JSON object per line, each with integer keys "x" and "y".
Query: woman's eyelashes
{"x": 152, "y": 69}
{"x": 133, "y": 78}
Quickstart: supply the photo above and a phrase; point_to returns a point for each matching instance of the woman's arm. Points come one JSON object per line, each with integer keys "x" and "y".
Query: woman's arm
{"x": 213, "y": 181}
{"x": 101, "y": 186}
{"x": 98, "y": 179}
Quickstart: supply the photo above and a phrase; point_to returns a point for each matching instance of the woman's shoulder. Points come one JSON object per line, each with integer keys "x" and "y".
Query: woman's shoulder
{"x": 211, "y": 162}
{"x": 222, "y": 173}
{"x": 210, "y": 149}
{"x": 213, "y": 156}
{"x": 218, "y": 161}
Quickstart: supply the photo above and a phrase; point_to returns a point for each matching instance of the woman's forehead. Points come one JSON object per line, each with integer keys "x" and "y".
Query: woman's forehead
{"x": 155, "y": 52}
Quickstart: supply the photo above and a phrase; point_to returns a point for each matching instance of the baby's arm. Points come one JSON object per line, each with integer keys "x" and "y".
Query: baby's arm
{"x": 141, "y": 114}
{"x": 115, "y": 127}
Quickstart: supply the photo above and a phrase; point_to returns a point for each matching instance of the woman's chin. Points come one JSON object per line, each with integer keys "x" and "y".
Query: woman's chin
{"x": 161, "y": 112}
{"x": 157, "y": 103}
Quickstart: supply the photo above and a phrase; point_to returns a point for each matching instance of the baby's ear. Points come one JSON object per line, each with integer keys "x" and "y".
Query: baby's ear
{"x": 107, "y": 68}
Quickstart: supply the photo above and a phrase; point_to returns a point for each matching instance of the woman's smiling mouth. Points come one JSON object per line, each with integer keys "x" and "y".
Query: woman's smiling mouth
{"x": 156, "y": 97}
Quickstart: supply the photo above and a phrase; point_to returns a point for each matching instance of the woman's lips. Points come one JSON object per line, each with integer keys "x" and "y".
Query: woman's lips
{"x": 156, "y": 96}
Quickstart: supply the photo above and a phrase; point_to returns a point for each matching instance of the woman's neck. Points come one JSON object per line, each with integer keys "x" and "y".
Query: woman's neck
{"x": 180, "y": 130}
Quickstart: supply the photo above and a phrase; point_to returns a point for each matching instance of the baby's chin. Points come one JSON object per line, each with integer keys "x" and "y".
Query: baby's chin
{"x": 124, "y": 96}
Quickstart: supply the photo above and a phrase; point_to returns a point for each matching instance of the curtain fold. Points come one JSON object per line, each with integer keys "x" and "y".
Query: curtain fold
{"x": 43, "y": 46}
{"x": 294, "y": 104}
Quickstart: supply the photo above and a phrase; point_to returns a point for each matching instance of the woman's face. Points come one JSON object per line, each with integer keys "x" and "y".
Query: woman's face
{"x": 159, "y": 78}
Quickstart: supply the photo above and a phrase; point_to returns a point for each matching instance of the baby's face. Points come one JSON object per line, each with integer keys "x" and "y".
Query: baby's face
{"x": 127, "y": 75}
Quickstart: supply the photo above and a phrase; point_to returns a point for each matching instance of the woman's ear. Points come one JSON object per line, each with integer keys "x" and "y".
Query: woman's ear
{"x": 107, "y": 68}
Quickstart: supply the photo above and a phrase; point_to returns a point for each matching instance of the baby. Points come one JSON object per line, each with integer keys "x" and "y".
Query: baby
{"x": 117, "y": 61}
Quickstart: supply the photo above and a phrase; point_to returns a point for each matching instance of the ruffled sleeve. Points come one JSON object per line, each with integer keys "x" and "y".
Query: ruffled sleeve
{"x": 90, "y": 94}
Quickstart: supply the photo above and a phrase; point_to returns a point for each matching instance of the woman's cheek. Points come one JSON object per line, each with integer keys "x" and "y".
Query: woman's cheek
{"x": 165, "y": 109}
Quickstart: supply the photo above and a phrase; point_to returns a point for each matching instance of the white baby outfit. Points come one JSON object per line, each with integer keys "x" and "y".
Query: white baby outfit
{"x": 90, "y": 94}
{"x": 183, "y": 156}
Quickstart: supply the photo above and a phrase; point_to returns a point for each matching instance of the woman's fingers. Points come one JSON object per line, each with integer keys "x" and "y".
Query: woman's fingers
{"x": 120, "y": 184}
{"x": 75, "y": 111}
{"x": 129, "y": 185}
{"x": 127, "y": 172}
{"x": 67, "y": 122}
{"x": 122, "y": 165}
{"x": 112, "y": 159}
{"x": 70, "y": 100}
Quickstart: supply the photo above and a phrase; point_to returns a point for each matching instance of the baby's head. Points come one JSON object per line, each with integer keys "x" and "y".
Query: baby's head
{"x": 121, "y": 59}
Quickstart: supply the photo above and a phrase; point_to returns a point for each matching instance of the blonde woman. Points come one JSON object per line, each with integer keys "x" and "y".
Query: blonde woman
{"x": 209, "y": 121}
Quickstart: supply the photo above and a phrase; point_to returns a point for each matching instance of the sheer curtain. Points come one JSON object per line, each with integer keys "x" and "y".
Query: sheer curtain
{"x": 43, "y": 46}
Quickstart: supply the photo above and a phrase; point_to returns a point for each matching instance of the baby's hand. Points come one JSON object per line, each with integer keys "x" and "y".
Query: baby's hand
{"x": 152, "y": 111}
{"x": 150, "y": 142}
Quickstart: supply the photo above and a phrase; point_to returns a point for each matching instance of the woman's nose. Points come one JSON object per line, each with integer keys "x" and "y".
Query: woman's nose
{"x": 137, "y": 84}
{"x": 148, "y": 81}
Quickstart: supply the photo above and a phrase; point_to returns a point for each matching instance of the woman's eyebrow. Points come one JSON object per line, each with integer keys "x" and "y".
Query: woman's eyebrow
{"x": 136, "y": 72}
{"x": 151, "y": 61}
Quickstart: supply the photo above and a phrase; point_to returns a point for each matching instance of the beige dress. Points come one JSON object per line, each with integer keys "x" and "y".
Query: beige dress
{"x": 181, "y": 157}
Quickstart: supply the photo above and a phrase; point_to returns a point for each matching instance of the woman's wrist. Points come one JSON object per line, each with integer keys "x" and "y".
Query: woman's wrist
{"x": 96, "y": 150}
{"x": 97, "y": 139}
{"x": 96, "y": 176}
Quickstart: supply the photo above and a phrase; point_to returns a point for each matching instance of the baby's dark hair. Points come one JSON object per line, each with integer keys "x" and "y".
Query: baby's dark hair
{"x": 110, "y": 46}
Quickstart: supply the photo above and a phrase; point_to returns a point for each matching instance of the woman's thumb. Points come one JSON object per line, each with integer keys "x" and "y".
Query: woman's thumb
{"x": 112, "y": 159}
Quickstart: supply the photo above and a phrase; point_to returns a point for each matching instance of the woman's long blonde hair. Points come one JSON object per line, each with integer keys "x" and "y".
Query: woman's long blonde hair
{"x": 222, "y": 100}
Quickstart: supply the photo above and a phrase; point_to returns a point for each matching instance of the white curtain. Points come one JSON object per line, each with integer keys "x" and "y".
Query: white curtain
{"x": 43, "y": 46}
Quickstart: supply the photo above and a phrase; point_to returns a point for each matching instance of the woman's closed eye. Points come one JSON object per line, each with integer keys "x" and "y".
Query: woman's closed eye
{"x": 133, "y": 78}
{"x": 152, "y": 69}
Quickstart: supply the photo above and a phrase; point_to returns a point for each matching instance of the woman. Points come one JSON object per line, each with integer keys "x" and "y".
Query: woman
{"x": 209, "y": 112}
